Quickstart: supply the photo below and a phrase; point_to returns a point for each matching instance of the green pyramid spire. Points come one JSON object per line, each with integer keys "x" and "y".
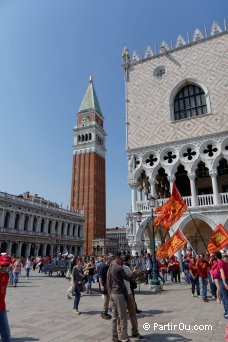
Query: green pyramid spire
{"x": 90, "y": 100}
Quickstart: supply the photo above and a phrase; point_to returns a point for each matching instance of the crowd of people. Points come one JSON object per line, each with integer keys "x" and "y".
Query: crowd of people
{"x": 117, "y": 277}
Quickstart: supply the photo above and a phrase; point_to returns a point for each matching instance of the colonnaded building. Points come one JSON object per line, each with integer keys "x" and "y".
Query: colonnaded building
{"x": 177, "y": 130}
{"x": 31, "y": 226}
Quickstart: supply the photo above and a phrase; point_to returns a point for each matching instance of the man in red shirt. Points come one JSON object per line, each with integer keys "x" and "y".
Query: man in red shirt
{"x": 202, "y": 266}
{"x": 194, "y": 277}
{"x": 4, "y": 278}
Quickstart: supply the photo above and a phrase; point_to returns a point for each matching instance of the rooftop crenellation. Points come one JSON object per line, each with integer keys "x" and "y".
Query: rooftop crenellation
{"x": 198, "y": 36}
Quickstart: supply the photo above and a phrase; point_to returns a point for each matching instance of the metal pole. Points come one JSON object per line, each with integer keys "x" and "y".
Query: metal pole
{"x": 154, "y": 280}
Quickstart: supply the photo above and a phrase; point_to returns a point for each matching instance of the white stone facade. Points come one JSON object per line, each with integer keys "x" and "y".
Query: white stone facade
{"x": 120, "y": 235}
{"x": 166, "y": 143}
{"x": 38, "y": 227}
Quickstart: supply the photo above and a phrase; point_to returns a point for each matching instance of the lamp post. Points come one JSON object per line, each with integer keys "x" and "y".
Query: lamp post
{"x": 154, "y": 279}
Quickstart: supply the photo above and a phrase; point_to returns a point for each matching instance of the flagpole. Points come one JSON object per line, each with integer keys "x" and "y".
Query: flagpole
{"x": 198, "y": 230}
{"x": 188, "y": 243}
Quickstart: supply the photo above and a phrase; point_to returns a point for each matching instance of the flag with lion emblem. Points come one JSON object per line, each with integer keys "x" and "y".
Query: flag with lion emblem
{"x": 170, "y": 247}
{"x": 218, "y": 239}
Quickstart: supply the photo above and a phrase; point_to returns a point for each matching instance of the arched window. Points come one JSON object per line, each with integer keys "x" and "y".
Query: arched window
{"x": 42, "y": 226}
{"x": 74, "y": 230}
{"x": 17, "y": 221}
{"x": 90, "y": 136}
{"x": 79, "y": 230}
{"x": 68, "y": 229}
{"x": 189, "y": 102}
{"x": 86, "y": 137}
{"x": 34, "y": 224}
{"x": 49, "y": 227}
{"x": 56, "y": 227}
{"x": 62, "y": 228}
{"x": 7, "y": 220}
{"x": 26, "y": 223}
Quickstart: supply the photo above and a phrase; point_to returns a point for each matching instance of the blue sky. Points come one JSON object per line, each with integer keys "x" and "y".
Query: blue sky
{"x": 48, "y": 50}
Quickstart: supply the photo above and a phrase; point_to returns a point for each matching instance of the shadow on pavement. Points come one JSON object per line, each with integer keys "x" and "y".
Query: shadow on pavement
{"x": 24, "y": 339}
{"x": 165, "y": 338}
{"x": 150, "y": 313}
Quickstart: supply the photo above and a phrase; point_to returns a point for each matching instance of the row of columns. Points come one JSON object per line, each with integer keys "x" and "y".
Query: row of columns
{"x": 137, "y": 195}
{"x": 78, "y": 228}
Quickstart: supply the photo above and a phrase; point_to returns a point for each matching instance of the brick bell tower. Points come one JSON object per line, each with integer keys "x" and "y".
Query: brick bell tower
{"x": 88, "y": 174}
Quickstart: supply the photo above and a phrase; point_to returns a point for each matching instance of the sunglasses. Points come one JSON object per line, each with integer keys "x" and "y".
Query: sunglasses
{"x": 4, "y": 265}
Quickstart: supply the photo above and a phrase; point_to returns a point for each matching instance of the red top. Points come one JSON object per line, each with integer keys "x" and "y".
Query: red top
{"x": 215, "y": 272}
{"x": 202, "y": 268}
{"x": 224, "y": 265}
{"x": 176, "y": 266}
{"x": 163, "y": 266}
{"x": 193, "y": 268}
{"x": 4, "y": 278}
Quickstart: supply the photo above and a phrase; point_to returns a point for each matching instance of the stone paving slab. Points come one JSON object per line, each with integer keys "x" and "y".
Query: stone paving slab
{"x": 38, "y": 310}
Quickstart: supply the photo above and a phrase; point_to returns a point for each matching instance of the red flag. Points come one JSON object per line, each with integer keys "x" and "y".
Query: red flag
{"x": 170, "y": 247}
{"x": 171, "y": 211}
{"x": 218, "y": 239}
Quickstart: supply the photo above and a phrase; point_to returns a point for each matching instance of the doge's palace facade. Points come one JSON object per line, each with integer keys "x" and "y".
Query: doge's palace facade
{"x": 177, "y": 130}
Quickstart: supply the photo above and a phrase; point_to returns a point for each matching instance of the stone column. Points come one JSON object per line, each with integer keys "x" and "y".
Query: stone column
{"x": 52, "y": 250}
{"x": 171, "y": 180}
{"x": 36, "y": 250}
{"x": 28, "y": 249}
{"x": 9, "y": 247}
{"x": 45, "y": 249}
{"x": 30, "y": 223}
{"x": 213, "y": 175}
{"x": 133, "y": 198}
{"x": 22, "y": 222}
{"x": 58, "y": 250}
{"x": 192, "y": 177}
{"x": 152, "y": 187}
{"x": 19, "y": 245}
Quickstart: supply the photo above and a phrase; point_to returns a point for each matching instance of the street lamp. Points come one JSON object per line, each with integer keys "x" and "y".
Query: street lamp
{"x": 154, "y": 279}
{"x": 139, "y": 217}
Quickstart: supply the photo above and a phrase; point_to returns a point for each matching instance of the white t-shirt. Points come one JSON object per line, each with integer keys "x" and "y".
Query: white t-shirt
{"x": 128, "y": 272}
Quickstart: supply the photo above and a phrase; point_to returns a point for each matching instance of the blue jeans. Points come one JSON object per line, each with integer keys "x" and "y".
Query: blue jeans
{"x": 90, "y": 280}
{"x": 4, "y": 327}
{"x": 213, "y": 287}
{"x": 203, "y": 286}
{"x": 195, "y": 285}
{"x": 15, "y": 277}
{"x": 187, "y": 277}
{"x": 27, "y": 270}
{"x": 224, "y": 293}
{"x": 77, "y": 297}
{"x": 172, "y": 275}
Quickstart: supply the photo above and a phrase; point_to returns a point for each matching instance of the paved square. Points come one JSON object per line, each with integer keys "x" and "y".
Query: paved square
{"x": 38, "y": 310}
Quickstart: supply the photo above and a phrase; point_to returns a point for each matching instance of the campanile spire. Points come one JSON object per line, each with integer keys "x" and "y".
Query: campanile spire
{"x": 88, "y": 172}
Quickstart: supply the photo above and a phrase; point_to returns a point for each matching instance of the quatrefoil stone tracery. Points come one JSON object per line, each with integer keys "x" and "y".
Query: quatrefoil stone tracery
{"x": 151, "y": 160}
{"x": 170, "y": 157}
{"x": 189, "y": 154}
{"x": 210, "y": 150}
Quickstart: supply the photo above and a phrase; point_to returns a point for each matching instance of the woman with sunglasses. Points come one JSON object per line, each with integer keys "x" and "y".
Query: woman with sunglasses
{"x": 4, "y": 278}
